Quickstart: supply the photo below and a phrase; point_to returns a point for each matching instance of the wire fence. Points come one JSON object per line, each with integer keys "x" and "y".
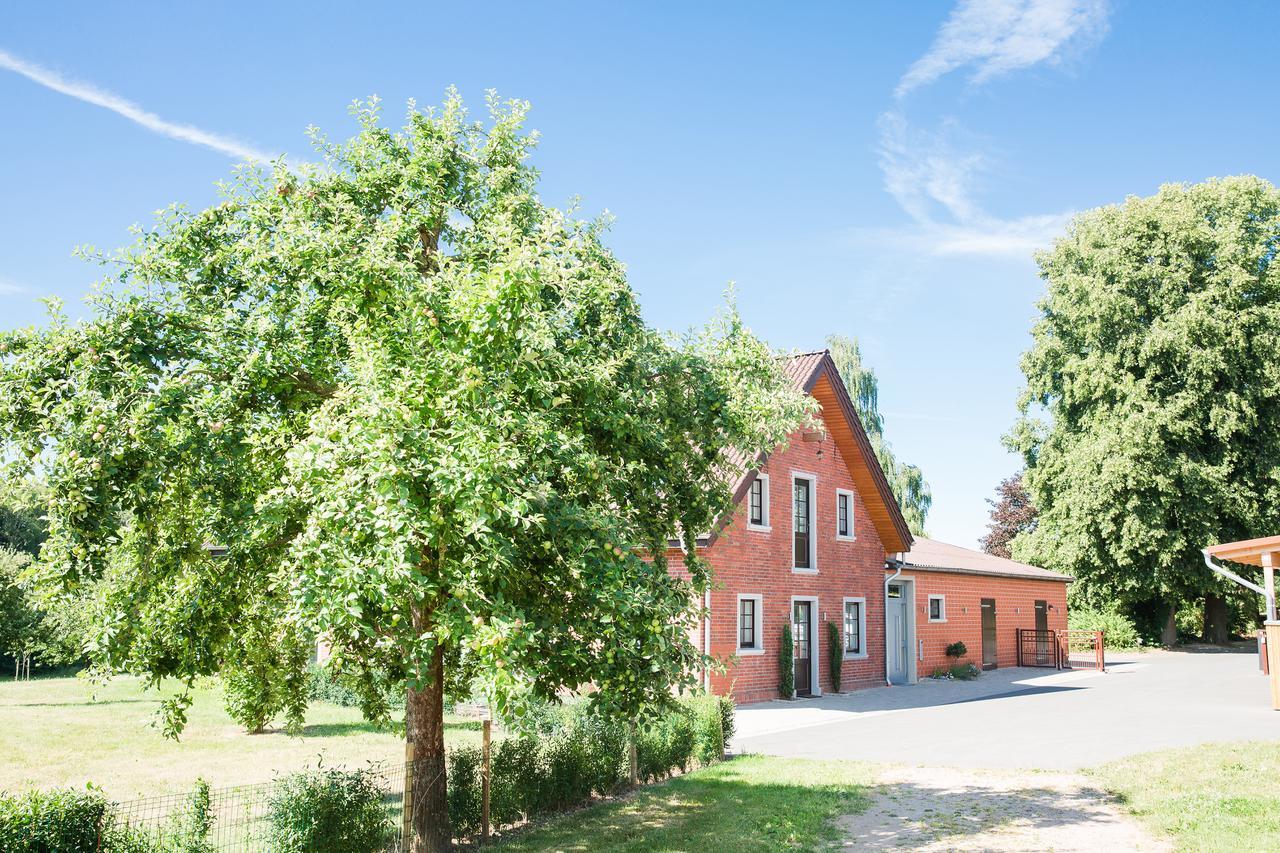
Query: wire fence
{"x": 239, "y": 819}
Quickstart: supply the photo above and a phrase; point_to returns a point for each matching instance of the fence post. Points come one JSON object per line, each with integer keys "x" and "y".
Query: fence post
{"x": 407, "y": 830}
{"x": 1097, "y": 644}
{"x": 484, "y": 781}
{"x": 632, "y": 758}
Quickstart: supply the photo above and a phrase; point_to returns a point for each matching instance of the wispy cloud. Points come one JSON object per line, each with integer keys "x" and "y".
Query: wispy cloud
{"x": 999, "y": 36}
{"x": 10, "y": 288}
{"x": 935, "y": 181}
{"x": 936, "y": 176}
{"x": 91, "y": 94}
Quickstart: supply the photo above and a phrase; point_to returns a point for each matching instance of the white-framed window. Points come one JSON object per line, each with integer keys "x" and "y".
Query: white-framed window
{"x": 937, "y": 608}
{"x": 804, "y": 547}
{"x": 844, "y": 514}
{"x": 855, "y": 628}
{"x": 758, "y": 502}
{"x": 750, "y": 625}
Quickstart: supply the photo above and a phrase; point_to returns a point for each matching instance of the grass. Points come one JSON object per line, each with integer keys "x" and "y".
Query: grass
{"x": 747, "y": 803}
{"x": 1222, "y": 796}
{"x": 61, "y": 732}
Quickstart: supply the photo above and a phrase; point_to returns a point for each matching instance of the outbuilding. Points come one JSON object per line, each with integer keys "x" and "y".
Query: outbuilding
{"x": 938, "y": 594}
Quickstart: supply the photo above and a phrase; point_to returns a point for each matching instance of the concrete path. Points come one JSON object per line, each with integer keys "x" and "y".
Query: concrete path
{"x": 1027, "y": 718}
{"x": 935, "y": 809}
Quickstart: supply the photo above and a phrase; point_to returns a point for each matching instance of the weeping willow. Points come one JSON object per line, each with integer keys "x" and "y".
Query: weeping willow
{"x": 907, "y": 481}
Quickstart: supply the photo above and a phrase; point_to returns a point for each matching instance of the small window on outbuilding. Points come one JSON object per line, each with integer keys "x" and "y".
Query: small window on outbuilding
{"x": 937, "y": 608}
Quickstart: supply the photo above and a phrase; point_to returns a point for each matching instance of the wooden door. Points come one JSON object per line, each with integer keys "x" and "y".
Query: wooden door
{"x": 801, "y": 630}
{"x": 989, "y": 657}
{"x": 1042, "y": 633}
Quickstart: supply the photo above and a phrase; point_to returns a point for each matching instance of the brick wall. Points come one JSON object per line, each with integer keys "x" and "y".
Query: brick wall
{"x": 1015, "y": 608}
{"x": 751, "y": 561}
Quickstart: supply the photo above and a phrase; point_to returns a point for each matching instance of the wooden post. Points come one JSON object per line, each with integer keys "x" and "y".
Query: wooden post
{"x": 633, "y": 760}
{"x": 1100, "y": 651}
{"x": 484, "y": 781}
{"x": 407, "y": 830}
{"x": 1273, "y": 661}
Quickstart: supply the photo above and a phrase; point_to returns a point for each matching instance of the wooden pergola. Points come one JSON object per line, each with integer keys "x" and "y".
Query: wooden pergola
{"x": 1265, "y": 553}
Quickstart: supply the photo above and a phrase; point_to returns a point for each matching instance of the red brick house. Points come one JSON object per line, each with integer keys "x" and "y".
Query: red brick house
{"x": 813, "y": 529}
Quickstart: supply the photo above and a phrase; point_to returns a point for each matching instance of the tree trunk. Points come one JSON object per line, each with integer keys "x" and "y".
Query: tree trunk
{"x": 1169, "y": 636}
{"x": 1216, "y": 620}
{"x": 424, "y": 748}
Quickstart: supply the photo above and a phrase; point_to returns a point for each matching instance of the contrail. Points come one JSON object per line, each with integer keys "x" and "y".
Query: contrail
{"x": 93, "y": 95}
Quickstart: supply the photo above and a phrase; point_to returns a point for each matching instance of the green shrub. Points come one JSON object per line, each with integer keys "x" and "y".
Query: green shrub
{"x": 709, "y": 722}
{"x": 319, "y": 811}
{"x": 964, "y": 671}
{"x": 727, "y": 723}
{"x": 957, "y": 650}
{"x": 835, "y": 655}
{"x": 1118, "y": 631}
{"x": 786, "y": 665}
{"x": 54, "y": 822}
{"x": 464, "y": 789}
{"x": 940, "y": 672}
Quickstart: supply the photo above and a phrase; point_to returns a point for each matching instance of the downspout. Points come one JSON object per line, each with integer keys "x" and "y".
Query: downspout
{"x": 1227, "y": 573}
{"x": 897, "y": 566}
{"x": 706, "y": 642}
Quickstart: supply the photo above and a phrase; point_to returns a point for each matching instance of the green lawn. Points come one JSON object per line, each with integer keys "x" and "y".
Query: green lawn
{"x": 1223, "y": 796}
{"x": 66, "y": 732}
{"x": 747, "y": 803}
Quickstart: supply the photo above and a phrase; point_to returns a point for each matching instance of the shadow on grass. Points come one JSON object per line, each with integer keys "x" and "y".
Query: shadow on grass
{"x": 715, "y": 809}
{"x": 86, "y": 703}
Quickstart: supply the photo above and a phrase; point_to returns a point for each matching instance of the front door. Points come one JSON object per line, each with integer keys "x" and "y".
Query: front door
{"x": 989, "y": 633}
{"x": 897, "y": 641}
{"x": 801, "y": 630}
{"x": 1042, "y": 633}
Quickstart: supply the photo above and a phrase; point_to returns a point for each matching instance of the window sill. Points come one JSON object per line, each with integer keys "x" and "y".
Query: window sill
{"x": 855, "y": 655}
{"x": 937, "y": 621}
{"x": 750, "y": 652}
{"x": 759, "y": 528}
{"x": 840, "y": 538}
{"x": 797, "y": 571}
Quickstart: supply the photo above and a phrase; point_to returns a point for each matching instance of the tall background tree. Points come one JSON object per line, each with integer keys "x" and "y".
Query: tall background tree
{"x": 1151, "y": 415}
{"x": 423, "y": 415}
{"x": 1012, "y": 513}
{"x": 907, "y": 481}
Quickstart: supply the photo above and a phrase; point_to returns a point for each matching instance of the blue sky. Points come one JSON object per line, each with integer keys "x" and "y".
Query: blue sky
{"x": 877, "y": 170}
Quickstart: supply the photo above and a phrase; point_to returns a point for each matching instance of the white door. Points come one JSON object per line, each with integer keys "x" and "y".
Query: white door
{"x": 897, "y": 640}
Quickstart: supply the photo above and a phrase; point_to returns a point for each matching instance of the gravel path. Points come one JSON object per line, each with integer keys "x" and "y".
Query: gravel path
{"x": 932, "y": 809}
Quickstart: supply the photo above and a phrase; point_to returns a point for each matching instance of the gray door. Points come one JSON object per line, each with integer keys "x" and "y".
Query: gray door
{"x": 897, "y": 641}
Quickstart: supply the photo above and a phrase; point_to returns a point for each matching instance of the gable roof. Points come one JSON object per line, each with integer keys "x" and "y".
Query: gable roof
{"x": 815, "y": 374}
{"x": 932, "y": 555}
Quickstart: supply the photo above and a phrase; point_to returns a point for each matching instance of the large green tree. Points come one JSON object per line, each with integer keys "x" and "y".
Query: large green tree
{"x": 420, "y": 411}
{"x": 906, "y": 481}
{"x": 1151, "y": 415}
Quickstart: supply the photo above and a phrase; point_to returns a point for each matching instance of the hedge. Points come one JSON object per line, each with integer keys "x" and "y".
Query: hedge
{"x": 45, "y": 821}
{"x": 328, "y": 811}
{"x": 583, "y": 755}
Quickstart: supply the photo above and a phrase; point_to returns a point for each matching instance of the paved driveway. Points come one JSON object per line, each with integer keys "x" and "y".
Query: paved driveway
{"x": 1028, "y": 718}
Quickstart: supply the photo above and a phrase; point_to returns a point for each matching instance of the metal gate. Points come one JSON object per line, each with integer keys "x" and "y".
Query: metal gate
{"x": 1037, "y": 648}
{"x": 1081, "y": 650}
{"x": 1061, "y": 649}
